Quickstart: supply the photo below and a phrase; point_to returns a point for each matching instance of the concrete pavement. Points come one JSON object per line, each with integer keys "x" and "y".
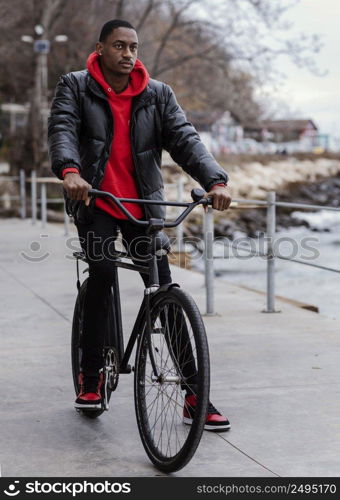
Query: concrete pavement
{"x": 276, "y": 376}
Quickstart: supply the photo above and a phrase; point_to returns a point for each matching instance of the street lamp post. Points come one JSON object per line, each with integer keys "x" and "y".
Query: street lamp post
{"x": 41, "y": 47}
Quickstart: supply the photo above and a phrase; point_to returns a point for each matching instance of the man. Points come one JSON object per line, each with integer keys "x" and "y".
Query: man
{"x": 107, "y": 128}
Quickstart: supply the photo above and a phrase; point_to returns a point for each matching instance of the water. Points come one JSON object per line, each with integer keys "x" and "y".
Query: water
{"x": 293, "y": 280}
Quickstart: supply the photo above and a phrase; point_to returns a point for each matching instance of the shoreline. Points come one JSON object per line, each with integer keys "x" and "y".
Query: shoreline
{"x": 313, "y": 181}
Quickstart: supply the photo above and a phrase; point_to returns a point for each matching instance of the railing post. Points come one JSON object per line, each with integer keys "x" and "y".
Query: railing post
{"x": 22, "y": 194}
{"x": 66, "y": 222}
{"x": 43, "y": 205}
{"x": 271, "y": 226}
{"x": 34, "y": 196}
{"x": 179, "y": 228}
{"x": 209, "y": 260}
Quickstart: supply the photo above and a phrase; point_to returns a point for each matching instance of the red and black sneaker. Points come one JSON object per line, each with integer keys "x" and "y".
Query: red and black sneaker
{"x": 90, "y": 391}
{"x": 214, "y": 422}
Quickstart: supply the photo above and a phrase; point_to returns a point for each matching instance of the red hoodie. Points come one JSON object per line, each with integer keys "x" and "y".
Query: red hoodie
{"x": 119, "y": 172}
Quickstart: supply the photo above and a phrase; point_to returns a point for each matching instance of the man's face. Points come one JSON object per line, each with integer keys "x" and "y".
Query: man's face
{"x": 119, "y": 51}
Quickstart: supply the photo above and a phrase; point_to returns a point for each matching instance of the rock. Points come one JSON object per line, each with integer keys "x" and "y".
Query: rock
{"x": 306, "y": 180}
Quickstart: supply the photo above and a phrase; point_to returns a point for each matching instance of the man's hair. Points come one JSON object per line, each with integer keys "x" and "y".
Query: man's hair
{"x": 112, "y": 25}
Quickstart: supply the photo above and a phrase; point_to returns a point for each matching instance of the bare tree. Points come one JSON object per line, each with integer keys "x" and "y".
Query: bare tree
{"x": 22, "y": 66}
{"x": 220, "y": 51}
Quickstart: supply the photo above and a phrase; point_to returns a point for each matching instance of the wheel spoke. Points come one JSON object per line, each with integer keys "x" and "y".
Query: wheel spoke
{"x": 162, "y": 399}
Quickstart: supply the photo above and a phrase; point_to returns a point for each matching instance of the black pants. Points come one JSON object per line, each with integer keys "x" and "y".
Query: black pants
{"x": 97, "y": 240}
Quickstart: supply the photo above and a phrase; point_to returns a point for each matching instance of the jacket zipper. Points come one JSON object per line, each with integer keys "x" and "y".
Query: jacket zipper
{"x": 139, "y": 184}
{"x": 108, "y": 144}
{"x": 101, "y": 168}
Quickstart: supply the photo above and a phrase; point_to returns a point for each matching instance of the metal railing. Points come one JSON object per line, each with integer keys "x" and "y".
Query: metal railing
{"x": 44, "y": 201}
{"x": 270, "y": 204}
{"x": 35, "y": 200}
{"x": 271, "y": 214}
{"x": 208, "y": 228}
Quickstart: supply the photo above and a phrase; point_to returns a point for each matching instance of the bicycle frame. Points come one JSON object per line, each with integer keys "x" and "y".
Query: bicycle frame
{"x": 153, "y": 226}
{"x": 144, "y": 310}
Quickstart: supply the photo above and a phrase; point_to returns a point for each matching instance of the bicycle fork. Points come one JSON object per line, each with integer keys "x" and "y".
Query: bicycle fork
{"x": 149, "y": 331}
{"x": 156, "y": 376}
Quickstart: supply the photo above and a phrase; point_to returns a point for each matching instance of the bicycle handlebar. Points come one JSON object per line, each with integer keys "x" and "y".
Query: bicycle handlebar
{"x": 198, "y": 195}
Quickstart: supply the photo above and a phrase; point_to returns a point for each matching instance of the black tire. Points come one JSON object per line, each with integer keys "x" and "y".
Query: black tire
{"x": 182, "y": 440}
{"x": 77, "y": 327}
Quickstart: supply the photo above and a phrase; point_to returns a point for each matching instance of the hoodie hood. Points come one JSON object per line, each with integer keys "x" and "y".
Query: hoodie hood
{"x": 139, "y": 77}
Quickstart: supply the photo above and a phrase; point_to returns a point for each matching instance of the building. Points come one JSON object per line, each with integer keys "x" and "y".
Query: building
{"x": 12, "y": 117}
{"x": 218, "y": 130}
{"x": 297, "y": 135}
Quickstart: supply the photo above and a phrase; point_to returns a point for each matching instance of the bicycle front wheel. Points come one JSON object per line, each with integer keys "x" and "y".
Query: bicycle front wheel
{"x": 178, "y": 344}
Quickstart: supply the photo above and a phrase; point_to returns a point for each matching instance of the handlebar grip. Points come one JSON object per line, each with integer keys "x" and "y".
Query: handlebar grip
{"x": 197, "y": 194}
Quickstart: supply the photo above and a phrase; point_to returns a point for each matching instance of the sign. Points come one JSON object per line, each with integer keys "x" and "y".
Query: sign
{"x": 42, "y": 46}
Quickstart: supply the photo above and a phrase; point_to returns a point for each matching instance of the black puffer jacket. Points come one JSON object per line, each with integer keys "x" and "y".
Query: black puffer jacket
{"x": 80, "y": 129}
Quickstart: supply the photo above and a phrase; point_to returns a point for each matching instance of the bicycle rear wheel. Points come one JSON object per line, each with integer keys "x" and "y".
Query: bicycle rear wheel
{"x": 180, "y": 350}
{"x": 76, "y": 345}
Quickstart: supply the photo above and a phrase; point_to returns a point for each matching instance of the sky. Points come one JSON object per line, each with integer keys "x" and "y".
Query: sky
{"x": 315, "y": 97}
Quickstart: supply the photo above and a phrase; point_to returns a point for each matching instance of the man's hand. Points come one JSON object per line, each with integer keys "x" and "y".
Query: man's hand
{"x": 221, "y": 198}
{"x": 76, "y": 187}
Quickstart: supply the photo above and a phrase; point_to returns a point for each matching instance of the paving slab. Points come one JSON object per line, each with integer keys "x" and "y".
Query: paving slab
{"x": 276, "y": 376}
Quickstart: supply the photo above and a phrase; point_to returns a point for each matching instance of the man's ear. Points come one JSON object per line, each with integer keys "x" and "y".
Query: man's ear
{"x": 99, "y": 48}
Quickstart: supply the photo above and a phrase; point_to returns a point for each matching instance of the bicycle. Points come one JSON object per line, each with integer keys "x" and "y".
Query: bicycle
{"x": 172, "y": 351}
